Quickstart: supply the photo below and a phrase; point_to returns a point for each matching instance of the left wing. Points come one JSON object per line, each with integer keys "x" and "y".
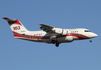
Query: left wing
{"x": 51, "y": 29}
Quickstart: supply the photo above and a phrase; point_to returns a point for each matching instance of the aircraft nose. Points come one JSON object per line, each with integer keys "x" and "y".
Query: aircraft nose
{"x": 92, "y": 35}
{"x": 95, "y": 35}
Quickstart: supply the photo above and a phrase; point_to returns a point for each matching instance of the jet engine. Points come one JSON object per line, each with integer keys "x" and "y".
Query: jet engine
{"x": 57, "y": 30}
{"x": 60, "y": 31}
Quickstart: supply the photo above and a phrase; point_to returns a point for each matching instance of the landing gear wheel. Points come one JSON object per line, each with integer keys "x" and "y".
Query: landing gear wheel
{"x": 57, "y": 44}
{"x": 90, "y": 40}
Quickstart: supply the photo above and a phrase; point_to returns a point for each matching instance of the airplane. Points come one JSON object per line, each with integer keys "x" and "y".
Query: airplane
{"x": 49, "y": 34}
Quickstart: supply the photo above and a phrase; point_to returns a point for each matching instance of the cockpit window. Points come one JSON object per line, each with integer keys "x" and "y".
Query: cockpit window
{"x": 87, "y": 31}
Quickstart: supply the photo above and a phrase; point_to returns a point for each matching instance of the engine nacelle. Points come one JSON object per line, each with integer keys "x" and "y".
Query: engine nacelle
{"x": 69, "y": 38}
{"x": 60, "y": 31}
{"x": 57, "y": 30}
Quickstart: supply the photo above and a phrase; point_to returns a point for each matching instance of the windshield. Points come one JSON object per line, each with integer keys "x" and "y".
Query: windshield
{"x": 86, "y": 31}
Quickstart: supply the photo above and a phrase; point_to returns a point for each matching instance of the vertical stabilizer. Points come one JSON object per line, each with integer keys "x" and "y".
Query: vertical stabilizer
{"x": 16, "y": 26}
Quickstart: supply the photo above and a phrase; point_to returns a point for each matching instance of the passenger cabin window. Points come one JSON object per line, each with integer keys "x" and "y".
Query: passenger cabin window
{"x": 74, "y": 31}
{"x": 86, "y": 31}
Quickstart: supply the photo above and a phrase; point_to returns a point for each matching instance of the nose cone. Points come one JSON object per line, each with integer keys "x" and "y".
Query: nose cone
{"x": 95, "y": 35}
{"x": 92, "y": 35}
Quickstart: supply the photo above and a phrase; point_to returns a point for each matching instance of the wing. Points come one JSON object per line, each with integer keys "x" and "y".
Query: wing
{"x": 51, "y": 29}
{"x": 46, "y": 28}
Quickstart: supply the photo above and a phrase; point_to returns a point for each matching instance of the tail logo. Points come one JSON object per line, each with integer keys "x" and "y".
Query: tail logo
{"x": 16, "y": 28}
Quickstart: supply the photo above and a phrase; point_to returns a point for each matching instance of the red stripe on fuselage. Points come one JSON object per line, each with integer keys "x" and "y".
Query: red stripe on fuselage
{"x": 79, "y": 37}
{"x": 30, "y": 36}
{"x": 47, "y": 37}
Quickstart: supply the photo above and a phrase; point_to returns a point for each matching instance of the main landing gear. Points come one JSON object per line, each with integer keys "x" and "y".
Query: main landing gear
{"x": 55, "y": 42}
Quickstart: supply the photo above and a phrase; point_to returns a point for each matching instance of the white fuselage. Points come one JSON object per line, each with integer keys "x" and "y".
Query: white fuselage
{"x": 42, "y": 36}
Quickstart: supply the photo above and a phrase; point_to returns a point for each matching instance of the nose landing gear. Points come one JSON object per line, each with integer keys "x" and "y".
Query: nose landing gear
{"x": 90, "y": 40}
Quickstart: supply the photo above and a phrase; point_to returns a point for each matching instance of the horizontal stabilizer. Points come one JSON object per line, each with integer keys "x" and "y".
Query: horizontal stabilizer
{"x": 8, "y": 19}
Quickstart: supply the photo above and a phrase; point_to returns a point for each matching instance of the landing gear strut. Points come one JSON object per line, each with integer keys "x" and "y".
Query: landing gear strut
{"x": 55, "y": 42}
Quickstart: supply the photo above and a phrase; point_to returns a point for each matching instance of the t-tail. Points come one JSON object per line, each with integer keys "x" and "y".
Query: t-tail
{"x": 17, "y": 27}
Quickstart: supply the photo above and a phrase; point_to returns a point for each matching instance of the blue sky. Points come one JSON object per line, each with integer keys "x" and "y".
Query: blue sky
{"x": 16, "y": 54}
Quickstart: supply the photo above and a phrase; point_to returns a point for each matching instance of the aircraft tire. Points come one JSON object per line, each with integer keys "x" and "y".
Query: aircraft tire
{"x": 57, "y": 44}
